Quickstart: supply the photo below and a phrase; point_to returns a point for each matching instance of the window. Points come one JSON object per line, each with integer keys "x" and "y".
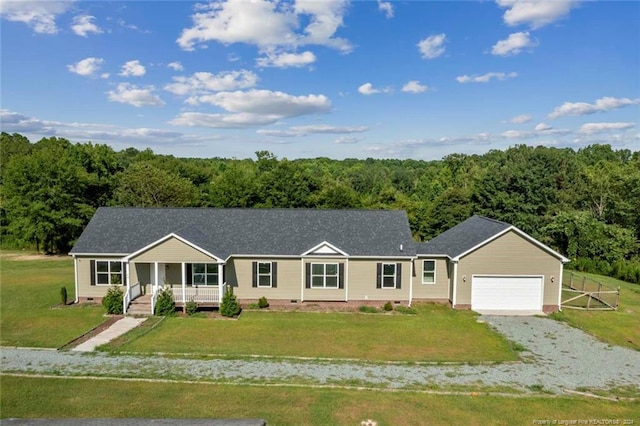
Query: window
{"x": 109, "y": 272}
{"x": 429, "y": 272}
{"x": 264, "y": 274}
{"x": 204, "y": 274}
{"x": 324, "y": 275}
{"x": 388, "y": 275}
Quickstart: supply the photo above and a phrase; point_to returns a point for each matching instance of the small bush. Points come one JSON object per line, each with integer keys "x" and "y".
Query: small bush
{"x": 229, "y": 306}
{"x": 253, "y": 306}
{"x": 165, "y": 305}
{"x": 191, "y": 307}
{"x": 368, "y": 309}
{"x": 406, "y": 310}
{"x": 112, "y": 301}
{"x": 63, "y": 295}
{"x": 388, "y": 307}
{"x": 262, "y": 303}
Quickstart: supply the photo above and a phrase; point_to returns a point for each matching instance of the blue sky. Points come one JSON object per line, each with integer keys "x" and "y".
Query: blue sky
{"x": 394, "y": 79}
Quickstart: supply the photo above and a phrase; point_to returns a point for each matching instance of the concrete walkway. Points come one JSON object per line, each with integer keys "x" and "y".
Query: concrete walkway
{"x": 117, "y": 329}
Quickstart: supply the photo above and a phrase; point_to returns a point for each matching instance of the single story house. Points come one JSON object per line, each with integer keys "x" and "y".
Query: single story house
{"x": 309, "y": 255}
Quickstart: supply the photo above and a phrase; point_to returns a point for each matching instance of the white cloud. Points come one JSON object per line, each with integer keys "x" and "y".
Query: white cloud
{"x": 267, "y": 24}
{"x": 583, "y": 108}
{"x": 325, "y": 128}
{"x": 432, "y": 46}
{"x": 126, "y": 93}
{"x": 513, "y": 44}
{"x": 222, "y": 121}
{"x": 40, "y": 16}
{"x": 542, "y": 126}
{"x": 279, "y": 133}
{"x": 386, "y": 8}
{"x": 83, "y": 25}
{"x": 536, "y": 13}
{"x": 267, "y": 102}
{"x": 286, "y": 60}
{"x": 204, "y": 82}
{"x": 12, "y": 122}
{"x": 86, "y": 67}
{"x": 520, "y": 119}
{"x": 414, "y": 86}
{"x": 133, "y": 69}
{"x": 485, "y": 78}
{"x": 348, "y": 140}
{"x": 368, "y": 89}
{"x": 592, "y": 128}
{"x": 176, "y": 66}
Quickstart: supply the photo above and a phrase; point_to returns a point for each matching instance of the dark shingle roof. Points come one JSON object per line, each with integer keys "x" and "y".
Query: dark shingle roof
{"x": 462, "y": 237}
{"x": 225, "y": 232}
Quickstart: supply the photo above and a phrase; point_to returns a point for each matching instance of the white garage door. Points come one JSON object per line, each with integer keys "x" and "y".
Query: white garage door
{"x": 506, "y": 293}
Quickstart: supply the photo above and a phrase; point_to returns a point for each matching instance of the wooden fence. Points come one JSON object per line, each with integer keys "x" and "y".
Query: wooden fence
{"x": 587, "y": 294}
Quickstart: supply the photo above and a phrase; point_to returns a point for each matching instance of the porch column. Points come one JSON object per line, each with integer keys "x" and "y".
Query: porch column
{"x": 184, "y": 288}
{"x": 127, "y": 276}
{"x": 220, "y": 282}
{"x": 155, "y": 272}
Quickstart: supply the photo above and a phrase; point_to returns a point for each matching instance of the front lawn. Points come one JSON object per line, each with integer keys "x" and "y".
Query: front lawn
{"x": 436, "y": 333}
{"x": 26, "y": 397}
{"x": 29, "y": 292}
{"x": 619, "y": 327}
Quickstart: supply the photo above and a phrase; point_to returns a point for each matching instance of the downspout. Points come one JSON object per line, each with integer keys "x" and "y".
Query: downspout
{"x": 346, "y": 280}
{"x": 560, "y": 286}
{"x": 455, "y": 283}
{"x": 75, "y": 273}
{"x": 411, "y": 261}
{"x": 302, "y": 279}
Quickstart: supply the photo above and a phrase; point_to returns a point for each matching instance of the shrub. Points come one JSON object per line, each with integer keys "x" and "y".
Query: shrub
{"x": 229, "y": 306}
{"x": 165, "y": 305}
{"x": 253, "y": 306}
{"x": 262, "y": 303}
{"x": 406, "y": 310}
{"x": 388, "y": 307}
{"x": 112, "y": 301}
{"x": 368, "y": 309}
{"x": 63, "y": 295}
{"x": 191, "y": 307}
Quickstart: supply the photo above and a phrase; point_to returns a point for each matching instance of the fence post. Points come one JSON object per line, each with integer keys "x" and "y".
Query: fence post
{"x": 617, "y": 298}
{"x": 584, "y": 281}
{"x": 589, "y": 302}
{"x": 571, "y": 280}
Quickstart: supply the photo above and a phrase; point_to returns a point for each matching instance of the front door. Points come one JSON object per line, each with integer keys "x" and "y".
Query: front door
{"x": 161, "y": 273}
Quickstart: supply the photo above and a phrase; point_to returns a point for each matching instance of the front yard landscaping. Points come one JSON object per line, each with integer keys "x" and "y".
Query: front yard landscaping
{"x": 30, "y": 299}
{"x": 436, "y": 334}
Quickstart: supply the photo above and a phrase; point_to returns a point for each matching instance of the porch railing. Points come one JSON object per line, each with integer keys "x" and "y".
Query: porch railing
{"x": 131, "y": 293}
{"x": 201, "y": 294}
{"x": 155, "y": 290}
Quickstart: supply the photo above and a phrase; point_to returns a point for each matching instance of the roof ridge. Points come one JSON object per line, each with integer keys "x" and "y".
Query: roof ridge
{"x": 492, "y": 220}
{"x": 251, "y": 209}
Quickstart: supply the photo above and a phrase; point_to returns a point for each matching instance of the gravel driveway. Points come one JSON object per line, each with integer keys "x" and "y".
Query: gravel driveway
{"x": 558, "y": 357}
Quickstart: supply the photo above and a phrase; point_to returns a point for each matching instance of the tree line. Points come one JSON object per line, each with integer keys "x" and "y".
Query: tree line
{"x": 584, "y": 203}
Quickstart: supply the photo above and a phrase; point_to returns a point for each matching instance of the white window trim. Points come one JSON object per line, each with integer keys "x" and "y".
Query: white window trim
{"x": 206, "y": 282}
{"x": 270, "y": 275}
{"x": 109, "y": 273}
{"x": 395, "y": 277}
{"x": 324, "y": 276}
{"x": 424, "y": 270}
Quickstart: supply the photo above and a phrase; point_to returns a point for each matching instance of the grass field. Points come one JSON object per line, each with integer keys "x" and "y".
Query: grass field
{"x": 436, "y": 333}
{"x": 621, "y": 327}
{"x": 60, "y": 398}
{"x": 29, "y": 292}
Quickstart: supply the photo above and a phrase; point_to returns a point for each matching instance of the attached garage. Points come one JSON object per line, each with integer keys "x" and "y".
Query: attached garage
{"x": 494, "y": 266}
{"x": 507, "y": 293}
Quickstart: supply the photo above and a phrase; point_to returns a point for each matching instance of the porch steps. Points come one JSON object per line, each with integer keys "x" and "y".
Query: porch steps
{"x": 140, "y": 306}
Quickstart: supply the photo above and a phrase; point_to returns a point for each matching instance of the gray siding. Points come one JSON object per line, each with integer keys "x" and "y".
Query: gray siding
{"x": 362, "y": 281}
{"x": 239, "y": 275}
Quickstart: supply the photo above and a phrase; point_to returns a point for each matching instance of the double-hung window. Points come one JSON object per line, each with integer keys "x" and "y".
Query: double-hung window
{"x": 109, "y": 272}
{"x": 388, "y": 275}
{"x": 264, "y": 274}
{"x": 428, "y": 272}
{"x": 324, "y": 275}
{"x": 204, "y": 274}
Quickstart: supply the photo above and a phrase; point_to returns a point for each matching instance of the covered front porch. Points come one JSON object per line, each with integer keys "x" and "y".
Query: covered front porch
{"x": 201, "y": 282}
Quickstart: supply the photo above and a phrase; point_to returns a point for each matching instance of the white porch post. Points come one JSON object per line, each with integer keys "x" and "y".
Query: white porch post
{"x": 220, "y": 282}
{"x": 184, "y": 281}
{"x": 127, "y": 279}
{"x": 156, "y": 274}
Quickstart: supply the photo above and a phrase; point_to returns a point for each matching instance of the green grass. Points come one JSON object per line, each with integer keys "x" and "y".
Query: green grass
{"x": 437, "y": 333}
{"x": 26, "y": 397}
{"x": 29, "y": 291}
{"x": 619, "y": 327}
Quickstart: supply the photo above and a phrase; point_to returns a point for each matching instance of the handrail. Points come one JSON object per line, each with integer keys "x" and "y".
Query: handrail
{"x": 130, "y": 294}
{"x": 154, "y": 297}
